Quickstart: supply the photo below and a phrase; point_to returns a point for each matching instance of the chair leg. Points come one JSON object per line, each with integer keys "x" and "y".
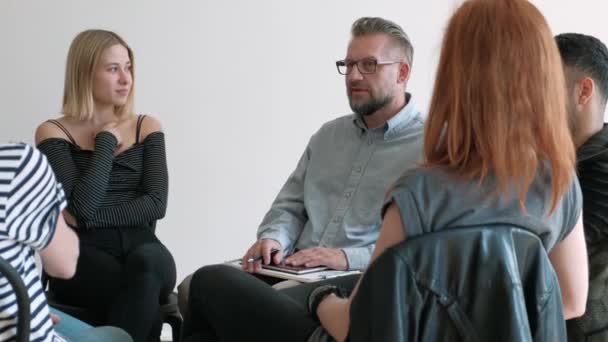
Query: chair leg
{"x": 176, "y": 327}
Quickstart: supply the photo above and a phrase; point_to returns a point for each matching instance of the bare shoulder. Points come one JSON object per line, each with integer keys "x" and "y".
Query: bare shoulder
{"x": 149, "y": 125}
{"x": 47, "y": 130}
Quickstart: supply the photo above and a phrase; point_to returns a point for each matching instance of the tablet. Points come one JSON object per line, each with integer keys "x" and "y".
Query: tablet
{"x": 294, "y": 269}
{"x": 280, "y": 272}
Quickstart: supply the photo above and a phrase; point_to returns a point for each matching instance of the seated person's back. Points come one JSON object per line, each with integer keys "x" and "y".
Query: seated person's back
{"x": 31, "y": 201}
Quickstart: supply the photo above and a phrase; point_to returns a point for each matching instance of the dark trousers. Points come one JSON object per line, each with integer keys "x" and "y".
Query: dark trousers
{"x": 121, "y": 277}
{"x": 228, "y": 304}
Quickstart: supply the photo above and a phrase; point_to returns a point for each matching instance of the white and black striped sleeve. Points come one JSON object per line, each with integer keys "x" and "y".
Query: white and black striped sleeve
{"x": 34, "y": 200}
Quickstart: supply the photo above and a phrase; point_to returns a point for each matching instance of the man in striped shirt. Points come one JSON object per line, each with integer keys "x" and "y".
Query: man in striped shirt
{"x": 31, "y": 202}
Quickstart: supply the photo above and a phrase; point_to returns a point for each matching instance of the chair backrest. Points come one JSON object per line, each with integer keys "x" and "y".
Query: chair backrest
{"x": 23, "y": 300}
{"x": 467, "y": 284}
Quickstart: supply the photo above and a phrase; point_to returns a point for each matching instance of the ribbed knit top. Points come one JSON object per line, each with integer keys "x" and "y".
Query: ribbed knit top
{"x": 106, "y": 190}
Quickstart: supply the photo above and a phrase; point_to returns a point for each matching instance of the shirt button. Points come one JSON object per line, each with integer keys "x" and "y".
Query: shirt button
{"x": 347, "y": 195}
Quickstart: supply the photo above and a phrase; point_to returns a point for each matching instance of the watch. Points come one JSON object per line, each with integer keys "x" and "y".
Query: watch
{"x": 317, "y": 295}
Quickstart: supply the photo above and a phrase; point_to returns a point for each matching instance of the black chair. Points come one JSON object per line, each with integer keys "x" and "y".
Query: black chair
{"x": 23, "y": 300}
{"x": 169, "y": 311}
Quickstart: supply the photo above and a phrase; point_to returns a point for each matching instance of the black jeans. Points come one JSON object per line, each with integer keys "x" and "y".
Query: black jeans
{"x": 228, "y": 304}
{"x": 121, "y": 278}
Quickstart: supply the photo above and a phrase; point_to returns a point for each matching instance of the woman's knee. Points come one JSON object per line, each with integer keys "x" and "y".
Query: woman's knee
{"x": 151, "y": 259}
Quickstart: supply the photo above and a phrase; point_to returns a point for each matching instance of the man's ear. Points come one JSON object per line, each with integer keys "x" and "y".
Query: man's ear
{"x": 585, "y": 91}
{"x": 404, "y": 72}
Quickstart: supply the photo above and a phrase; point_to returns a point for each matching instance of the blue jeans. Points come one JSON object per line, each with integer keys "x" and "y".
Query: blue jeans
{"x": 74, "y": 330}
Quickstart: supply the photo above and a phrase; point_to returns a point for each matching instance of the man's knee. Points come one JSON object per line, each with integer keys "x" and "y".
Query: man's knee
{"x": 213, "y": 279}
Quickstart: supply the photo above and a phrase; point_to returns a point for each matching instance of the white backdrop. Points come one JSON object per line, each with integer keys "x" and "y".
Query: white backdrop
{"x": 239, "y": 87}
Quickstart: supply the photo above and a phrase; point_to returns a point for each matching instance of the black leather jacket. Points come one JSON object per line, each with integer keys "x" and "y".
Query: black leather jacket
{"x": 472, "y": 284}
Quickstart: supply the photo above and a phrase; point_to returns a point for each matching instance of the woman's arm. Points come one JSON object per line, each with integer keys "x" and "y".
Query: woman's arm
{"x": 151, "y": 204}
{"x": 569, "y": 259}
{"x": 334, "y": 312}
{"x": 83, "y": 191}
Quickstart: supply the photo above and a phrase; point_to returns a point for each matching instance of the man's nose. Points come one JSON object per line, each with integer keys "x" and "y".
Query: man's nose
{"x": 354, "y": 74}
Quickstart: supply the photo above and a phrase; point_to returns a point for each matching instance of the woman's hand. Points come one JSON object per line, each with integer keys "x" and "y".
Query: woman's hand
{"x": 69, "y": 219}
{"x": 117, "y": 129}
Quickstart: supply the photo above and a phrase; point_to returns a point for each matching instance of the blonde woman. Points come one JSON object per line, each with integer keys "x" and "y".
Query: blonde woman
{"x": 113, "y": 168}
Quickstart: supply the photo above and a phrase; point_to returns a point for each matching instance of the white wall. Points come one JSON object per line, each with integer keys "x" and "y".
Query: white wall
{"x": 239, "y": 86}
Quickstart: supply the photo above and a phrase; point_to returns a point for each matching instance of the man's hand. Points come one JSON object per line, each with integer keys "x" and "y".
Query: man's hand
{"x": 262, "y": 248}
{"x": 319, "y": 256}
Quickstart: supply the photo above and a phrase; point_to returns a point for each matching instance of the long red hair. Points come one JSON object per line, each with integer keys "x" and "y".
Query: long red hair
{"x": 499, "y": 101}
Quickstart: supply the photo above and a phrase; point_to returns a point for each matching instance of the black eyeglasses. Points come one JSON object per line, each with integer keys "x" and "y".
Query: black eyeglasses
{"x": 365, "y": 65}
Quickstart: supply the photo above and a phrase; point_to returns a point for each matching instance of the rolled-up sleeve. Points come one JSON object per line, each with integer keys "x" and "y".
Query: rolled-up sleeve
{"x": 358, "y": 257}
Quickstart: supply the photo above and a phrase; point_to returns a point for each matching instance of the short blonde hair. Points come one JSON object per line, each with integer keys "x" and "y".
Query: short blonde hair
{"x": 83, "y": 57}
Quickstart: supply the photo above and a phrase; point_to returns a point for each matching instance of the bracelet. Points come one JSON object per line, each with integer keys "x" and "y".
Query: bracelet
{"x": 317, "y": 295}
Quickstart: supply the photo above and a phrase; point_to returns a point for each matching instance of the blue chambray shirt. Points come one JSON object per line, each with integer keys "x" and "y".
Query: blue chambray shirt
{"x": 334, "y": 197}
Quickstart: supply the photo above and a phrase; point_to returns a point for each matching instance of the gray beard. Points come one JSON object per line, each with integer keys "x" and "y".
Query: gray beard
{"x": 370, "y": 107}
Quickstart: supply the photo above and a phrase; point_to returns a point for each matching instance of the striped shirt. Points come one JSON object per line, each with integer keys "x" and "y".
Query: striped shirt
{"x": 107, "y": 191}
{"x": 30, "y": 203}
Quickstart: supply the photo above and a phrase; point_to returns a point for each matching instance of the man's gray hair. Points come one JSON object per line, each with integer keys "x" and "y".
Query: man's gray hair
{"x": 370, "y": 25}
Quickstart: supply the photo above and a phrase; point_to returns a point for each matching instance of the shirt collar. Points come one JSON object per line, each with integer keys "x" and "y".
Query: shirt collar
{"x": 396, "y": 124}
{"x": 594, "y": 146}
